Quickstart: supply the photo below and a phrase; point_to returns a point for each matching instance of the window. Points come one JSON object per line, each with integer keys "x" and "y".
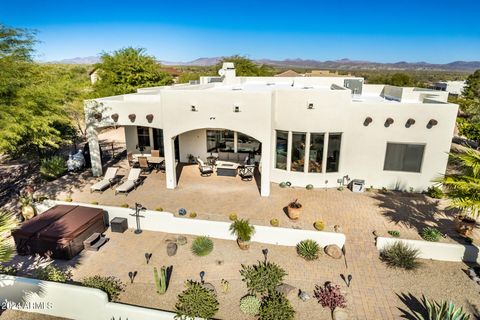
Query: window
{"x": 404, "y": 157}
{"x": 158, "y": 141}
{"x": 143, "y": 134}
{"x": 316, "y": 152}
{"x": 298, "y": 151}
{"x": 247, "y": 144}
{"x": 220, "y": 140}
{"x": 281, "y": 150}
{"x": 333, "y": 154}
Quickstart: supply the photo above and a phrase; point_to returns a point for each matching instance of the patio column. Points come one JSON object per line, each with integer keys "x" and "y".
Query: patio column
{"x": 170, "y": 167}
{"x": 267, "y": 162}
{"x": 95, "y": 158}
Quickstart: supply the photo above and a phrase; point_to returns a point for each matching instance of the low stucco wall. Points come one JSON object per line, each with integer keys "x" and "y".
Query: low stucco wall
{"x": 437, "y": 250}
{"x": 68, "y": 301}
{"x": 167, "y": 222}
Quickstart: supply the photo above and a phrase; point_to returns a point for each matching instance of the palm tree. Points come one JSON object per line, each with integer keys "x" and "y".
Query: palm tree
{"x": 462, "y": 187}
{"x": 7, "y": 223}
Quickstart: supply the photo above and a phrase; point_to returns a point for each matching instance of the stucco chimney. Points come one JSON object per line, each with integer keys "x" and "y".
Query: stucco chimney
{"x": 229, "y": 72}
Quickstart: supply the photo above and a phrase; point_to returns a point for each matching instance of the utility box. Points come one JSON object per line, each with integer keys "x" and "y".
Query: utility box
{"x": 356, "y": 85}
{"x": 357, "y": 185}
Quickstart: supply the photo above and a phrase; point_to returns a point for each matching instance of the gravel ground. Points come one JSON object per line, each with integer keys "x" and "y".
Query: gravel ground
{"x": 20, "y": 315}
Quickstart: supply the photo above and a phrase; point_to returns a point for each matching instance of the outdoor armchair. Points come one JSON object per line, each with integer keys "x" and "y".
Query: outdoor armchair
{"x": 205, "y": 170}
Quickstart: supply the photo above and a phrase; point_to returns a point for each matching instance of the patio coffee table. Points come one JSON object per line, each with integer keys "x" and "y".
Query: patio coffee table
{"x": 227, "y": 169}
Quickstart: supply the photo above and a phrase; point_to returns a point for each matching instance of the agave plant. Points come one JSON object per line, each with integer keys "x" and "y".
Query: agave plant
{"x": 440, "y": 311}
{"x": 308, "y": 249}
{"x": 202, "y": 246}
{"x": 7, "y": 223}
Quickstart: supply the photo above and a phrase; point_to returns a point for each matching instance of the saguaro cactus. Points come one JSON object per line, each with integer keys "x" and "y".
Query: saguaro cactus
{"x": 160, "y": 280}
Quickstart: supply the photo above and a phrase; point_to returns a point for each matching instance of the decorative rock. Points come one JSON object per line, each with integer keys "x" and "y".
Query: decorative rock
{"x": 303, "y": 295}
{"x": 340, "y": 314}
{"x": 171, "y": 249}
{"x": 284, "y": 288}
{"x": 334, "y": 251}
{"x": 336, "y": 228}
{"x": 181, "y": 240}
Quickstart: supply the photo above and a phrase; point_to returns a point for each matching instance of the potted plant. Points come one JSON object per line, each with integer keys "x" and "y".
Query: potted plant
{"x": 294, "y": 209}
{"x": 26, "y": 206}
{"x": 464, "y": 224}
{"x": 244, "y": 232}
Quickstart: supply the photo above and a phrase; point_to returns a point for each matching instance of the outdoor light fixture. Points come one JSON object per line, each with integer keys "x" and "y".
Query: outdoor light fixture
{"x": 138, "y": 208}
{"x": 265, "y": 254}
{"x": 148, "y": 256}
{"x": 193, "y": 108}
{"x": 310, "y": 106}
{"x": 212, "y": 118}
{"x": 367, "y": 121}
{"x": 149, "y": 118}
{"x": 114, "y": 117}
{"x": 202, "y": 275}
{"x": 236, "y": 108}
{"x": 410, "y": 122}
{"x": 132, "y": 275}
{"x": 388, "y": 122}
{"x": 132, "y": 117}
{"x": 432, "y": 123}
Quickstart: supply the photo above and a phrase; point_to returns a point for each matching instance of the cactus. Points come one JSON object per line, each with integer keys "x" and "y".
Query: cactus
{"x": 160, "y": 281}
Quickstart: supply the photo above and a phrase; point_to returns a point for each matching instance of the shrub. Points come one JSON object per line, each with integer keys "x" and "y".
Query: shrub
{"x": 110, "y": 285}
{"x": 431, "y": 234}
{"x": 308, "y": 249}
{"x": 202, "y": 246}
{"x": 440, "y": 310}
{"x": 52, "y": 273}
{"x": 250, "y": 305}
{"x": 276, "y": 307}
{"x": 274, "y": 222}
{"x": 94, "y": 202}
{"x": 340, "y": 188}
{"x": 263, "y": 277}
{"x": 196, "y": 301}
{"x": 283, "y": 185}
{"x": 329, "y": 296}
{"x": 242, "y": 229}
{"x": 159, "y": 209}
{"x": 193, "y": 214}
{"x": 68, "y": 199}
{"x": 400, "y": 255}
{"x": 434, "y": 192}
{"x": 309, "y": 186}
{"x": 53, "y": 167}
{"x": 394, "y": 233}
{"x": 232, "y": 216}
{"x": 319, "y": 225}
{"x": 124, "y": 205}
{"x": 8, "y": 270}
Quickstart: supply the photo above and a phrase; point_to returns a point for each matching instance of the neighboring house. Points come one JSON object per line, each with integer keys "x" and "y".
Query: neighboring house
{"x": 288, "y": 73}
{"x": 324, "y": 73}
{"x": 173, "y": 72}
{"x": 93, "y": 75}
{"x": 305, "y": 130}
{"x": 454, "y": 88}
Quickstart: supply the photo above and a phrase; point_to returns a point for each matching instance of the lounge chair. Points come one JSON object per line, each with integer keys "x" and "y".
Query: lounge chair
{"x": 108, "y": 180}
{"x": 133, "y": 180}
{"x": 205, "y": 170}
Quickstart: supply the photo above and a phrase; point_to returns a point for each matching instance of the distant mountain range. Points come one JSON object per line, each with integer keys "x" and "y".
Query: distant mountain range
{"x": 343, "y": 64}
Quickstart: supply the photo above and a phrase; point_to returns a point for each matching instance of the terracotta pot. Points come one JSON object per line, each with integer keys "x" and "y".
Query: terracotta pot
{"x": 464, "y": 226}
{"x": 244, "y": 245}
{"x": 294, "y": 213}
{"x": 28, "y": 212}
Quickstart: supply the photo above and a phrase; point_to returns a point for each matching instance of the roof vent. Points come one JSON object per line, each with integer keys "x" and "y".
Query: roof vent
{"x": 193, "y": 108}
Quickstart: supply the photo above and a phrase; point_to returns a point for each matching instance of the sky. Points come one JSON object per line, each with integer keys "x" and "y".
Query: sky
{"x": 438, "y": 31}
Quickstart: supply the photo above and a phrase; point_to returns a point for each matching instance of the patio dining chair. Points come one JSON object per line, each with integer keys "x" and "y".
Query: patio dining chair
{"x": 131, "y": 161}
{"x": 144, "y": 165}
{"x": 205, "y": 170}
{"x": 246, "y": 172}
{"x": 108, "y": 180}
{"x": 132, "y": 182}
{"x": 155, "y": 153}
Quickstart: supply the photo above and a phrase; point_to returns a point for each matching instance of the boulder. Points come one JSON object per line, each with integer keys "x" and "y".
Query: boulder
{"x": 284, "y": 288}
{"x": 171, "y": 249}
{"x": 334, "y": 251}
{"x": 181, "y": 240}
{"x": 340, "y": 314}
{"x": 303, "y": 295}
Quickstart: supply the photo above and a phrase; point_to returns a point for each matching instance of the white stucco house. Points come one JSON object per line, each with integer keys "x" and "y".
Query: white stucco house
{"x": 304, "y": 130}
{"x": 452, "y": 87}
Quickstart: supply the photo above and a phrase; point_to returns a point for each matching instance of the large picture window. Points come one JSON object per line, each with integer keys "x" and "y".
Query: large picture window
{"x": 281, "y": 150}
{"x": 247, "y": 144}
{"x": 143, "y": 134}
{"x": 316, "y": 152}
{"x": 220, "y": 140}
{"x": 298, "y": 151}
{"x": 404, "y": 157}
{"x": 333, "y": 155}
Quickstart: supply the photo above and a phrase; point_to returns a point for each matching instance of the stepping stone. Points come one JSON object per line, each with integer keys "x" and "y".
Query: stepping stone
{"x": 171, "y": 249}
{"x": 334, "y": 251}
{"x": 182, "y": 240}
{"x": 284, "y": 288}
